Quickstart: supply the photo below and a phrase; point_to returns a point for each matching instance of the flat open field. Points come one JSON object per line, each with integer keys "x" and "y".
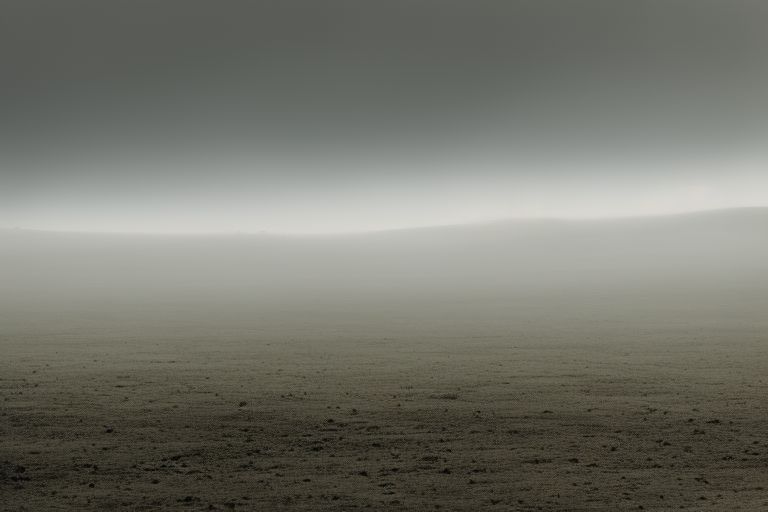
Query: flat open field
{"x": 571, "y": 405}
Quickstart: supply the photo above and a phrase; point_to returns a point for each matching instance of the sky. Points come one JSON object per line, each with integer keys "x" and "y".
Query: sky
{"x": 301, "y": 116}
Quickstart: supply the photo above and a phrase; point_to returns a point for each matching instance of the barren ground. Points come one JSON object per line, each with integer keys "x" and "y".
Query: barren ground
{"x": 579, "y": 412}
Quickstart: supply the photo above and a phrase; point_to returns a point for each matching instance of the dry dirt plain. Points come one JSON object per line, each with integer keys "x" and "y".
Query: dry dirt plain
{"x": 647, "y": 406}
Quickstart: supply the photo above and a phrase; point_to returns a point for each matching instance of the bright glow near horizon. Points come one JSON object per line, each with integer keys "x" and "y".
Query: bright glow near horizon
{"x": 296, "y": 117}
{"x": 381, "y": 202}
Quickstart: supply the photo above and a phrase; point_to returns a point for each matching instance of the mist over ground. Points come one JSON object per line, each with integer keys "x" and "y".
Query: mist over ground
{"x": 523, "y": 365}
{"x": 476, "y": 273}
{"x": 249, "y": 257}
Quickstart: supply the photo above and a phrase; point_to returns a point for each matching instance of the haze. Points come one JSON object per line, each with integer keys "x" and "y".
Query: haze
{"x": 455, "y": 255}
{"x": 188, "y": 282}
{"x": 289, "y": 117}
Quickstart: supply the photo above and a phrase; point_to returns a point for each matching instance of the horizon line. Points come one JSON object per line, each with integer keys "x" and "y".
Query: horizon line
{"x": 304, "y": 234}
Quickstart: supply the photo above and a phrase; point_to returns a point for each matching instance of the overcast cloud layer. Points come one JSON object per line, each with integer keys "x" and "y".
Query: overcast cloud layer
{"x": 306, "y": 116}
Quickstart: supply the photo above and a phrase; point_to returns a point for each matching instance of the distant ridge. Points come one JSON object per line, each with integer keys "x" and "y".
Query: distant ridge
{"x": 723, "y": 248}
{"x": 738, "y": 212}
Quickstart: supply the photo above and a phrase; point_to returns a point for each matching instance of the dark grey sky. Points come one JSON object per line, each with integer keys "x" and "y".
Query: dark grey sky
{"x": 170, "y": 115}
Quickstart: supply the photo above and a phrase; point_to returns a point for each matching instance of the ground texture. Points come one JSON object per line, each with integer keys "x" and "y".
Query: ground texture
{"x": 592, "y": 418}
